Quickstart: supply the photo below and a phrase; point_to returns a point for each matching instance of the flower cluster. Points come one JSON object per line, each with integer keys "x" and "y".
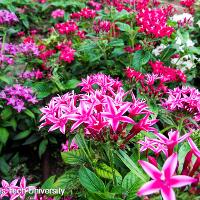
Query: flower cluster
{"x": 67, "y": 54}
{"x": 185, "y": 101}
{"x": 101, "y": 108}
{"x": 37, "y": 74}
{"x": 183, "y": 19}
{"x": 97, "y": 6}
{"x": 5, "y": 60}
{"x": 28, "y": 48}
{"x": 86, "y": 13}
{"x": 187, "y": 3}
{"x": 7, "y": 17}
{"x": 163, "y": 144}
{"x": 154, "y": 22}
{"x": 17, "y": 95}
{"x": 13, "y": 191}
{"x": 69, "y": 146}
{"x": 67, "y": 27}
{"x": 101, "y": 26}
{"x": 169, "y": 74}
{"x": 58, "y": 13}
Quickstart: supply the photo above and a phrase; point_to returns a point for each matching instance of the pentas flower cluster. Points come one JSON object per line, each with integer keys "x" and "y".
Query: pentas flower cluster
{"x": 35, "y": 74}
{"x": 5, "y": 60}
{"x": 85, "y": 13}
{"x": 17, "y": 95}
{"x": 184, "y": 101}
{"x": 67, "y": 27}
{"x": 187, "y": 3}
{"x": 97, "y": 6}
{"x": 154, "y": 84}
{"x": 69, "y": 146}
{"x": 102, "y": 26}
{"x": 66, "y": 52}
{"x": 58, "y": 13}
{"x": 13, "y": 191}
{"x": 154, "y": 22}
{"x": 28, "y": 48}
{"x": 130, "y": 49}
{"x": 183, "y": 19}
{"x": 164, "y": 180}
{"x": 7, "y": 17}
{"x": 163, "y": 144}
{"x": 169, "y": 74}
{"x": 99, "y": 109}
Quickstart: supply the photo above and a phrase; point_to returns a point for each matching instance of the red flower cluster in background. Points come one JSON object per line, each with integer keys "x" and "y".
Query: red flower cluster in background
{"x": 169, "y": 74}
{"x": 67, "y": 27}
{"x": 84, "y": 13}
{"x": 154, "y": 22}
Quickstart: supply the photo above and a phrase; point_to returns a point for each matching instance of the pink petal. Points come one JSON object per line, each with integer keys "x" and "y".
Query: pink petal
{"x": 23, "y": 182}
{"x": 168, "y": 193}
{"x": 182, "y": 138}
{"x": 194, "y": 147}
{"x": 170, "y": 165}
{"x": 124, "y": 108}
{"x": 4, "y": 183}
{"x": 150, "y": 169}
{"x": 181, "y": 180}
{"x": 114, "y": 124}
{"x": 14, "y": 182}
{"x": 149, "y": 188}
{"x": 111, "y": 106}
{"x": 127, "y": 119}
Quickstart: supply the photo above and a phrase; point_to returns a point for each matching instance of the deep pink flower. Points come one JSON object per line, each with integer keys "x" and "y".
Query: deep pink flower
{"x": 66, "y": 147}
{"x": 154, "y": 22}
{"x": 115, "y": 115}
{"x": 58, "y": 13}
{"x": 164, "y": 180}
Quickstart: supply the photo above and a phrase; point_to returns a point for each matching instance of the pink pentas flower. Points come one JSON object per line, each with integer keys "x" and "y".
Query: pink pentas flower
{"x": 6, "y": 188}
{"x": 184, "y": 102}
{"x": 115, "y": 115}
{"x": 69, "y": 147}
{"x": 172, "y": 140}
{"x": 58, "y": 13}
{"x": 100, "y": 107}
{"x": 67, "y": 27}
{"x": 164, "y": 180}
{"x": 17, "y": 95}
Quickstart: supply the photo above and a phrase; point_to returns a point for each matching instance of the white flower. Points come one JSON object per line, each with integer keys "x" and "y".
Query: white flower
{"x": 159, "y": 49}
{"x": 183, "y": 19}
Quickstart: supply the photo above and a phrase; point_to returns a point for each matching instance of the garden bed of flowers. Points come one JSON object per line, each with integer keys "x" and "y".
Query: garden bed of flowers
{"x": 99, "y": 100}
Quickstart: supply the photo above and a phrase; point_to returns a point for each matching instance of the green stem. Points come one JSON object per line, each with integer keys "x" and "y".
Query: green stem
{"x": 3, "y": 42}
{"x": 111, "y": 155}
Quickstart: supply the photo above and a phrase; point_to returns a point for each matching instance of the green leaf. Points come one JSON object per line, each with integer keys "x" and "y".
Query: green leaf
{"x": 90, "y": 181}
{"x": 71, "y": 84}
{"x": 74, "y": 157}
{"x": 123, "y": 26}
{"x": 135, "y": 169}
{"x": 4, "y": 167}
{"x": 22, "y": 135}
{"x": 68, "y": 181}
{"x": 140, "y": 58}
{"x": 6, "y": 113}
{"x": 48, "y": 184}
{"x": 30, "y": 113}
{"x": 105, "y": 171}
{"x": 42, "y": 147}
{"x": 4, "y": 134}
{"x": 6, "y": 79}
{"x": 116, "y": 43}
{"x": 32, "y": 139}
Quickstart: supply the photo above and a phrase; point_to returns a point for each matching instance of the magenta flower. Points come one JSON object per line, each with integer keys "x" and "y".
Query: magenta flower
{"x": 66, "y": 147}
{"x": 164, "y": 180}
{"x": 116, "y": 115}
{"x": 172, "y": 141}
{"x": 6, "y": 188}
